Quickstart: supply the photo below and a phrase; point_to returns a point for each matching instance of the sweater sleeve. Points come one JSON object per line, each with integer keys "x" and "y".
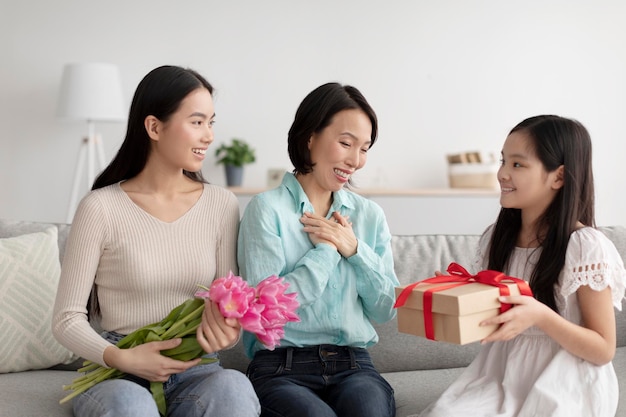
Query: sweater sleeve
{"x": 84, "y": 247}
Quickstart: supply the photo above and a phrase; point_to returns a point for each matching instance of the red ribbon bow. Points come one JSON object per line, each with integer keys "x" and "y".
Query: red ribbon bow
{"x": 459, "y": 276}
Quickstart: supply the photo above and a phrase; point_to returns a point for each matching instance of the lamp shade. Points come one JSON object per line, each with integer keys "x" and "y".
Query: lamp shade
{"x": 91, "y": 91}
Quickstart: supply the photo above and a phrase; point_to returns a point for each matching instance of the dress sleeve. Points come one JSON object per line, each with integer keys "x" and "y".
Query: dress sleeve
{"x": 593, "y": 260}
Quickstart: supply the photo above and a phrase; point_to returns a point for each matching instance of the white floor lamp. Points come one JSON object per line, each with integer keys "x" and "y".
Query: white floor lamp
{"x": 91, "y": 92}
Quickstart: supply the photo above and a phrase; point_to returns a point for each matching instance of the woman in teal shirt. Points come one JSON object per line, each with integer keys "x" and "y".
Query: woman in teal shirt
{"x": 333, "y": 247}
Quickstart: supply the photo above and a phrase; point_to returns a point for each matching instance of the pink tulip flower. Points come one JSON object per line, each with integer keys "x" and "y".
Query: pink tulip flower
{"x": 232, "y": 294}
{"x": 263, "y": 310}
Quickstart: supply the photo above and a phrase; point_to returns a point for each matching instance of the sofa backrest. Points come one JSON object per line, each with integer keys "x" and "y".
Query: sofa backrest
{"x": 416, "y": 257}
{"x": 12, "y": 228}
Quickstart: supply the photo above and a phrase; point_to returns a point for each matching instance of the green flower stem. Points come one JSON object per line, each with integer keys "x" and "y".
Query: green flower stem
{"x": 98, "y": 375}
{"x": 181, "y": 324}
{"x": 88, "y": 366}
{"x": 191, "y": 328}
{"x": 84, "y": 385}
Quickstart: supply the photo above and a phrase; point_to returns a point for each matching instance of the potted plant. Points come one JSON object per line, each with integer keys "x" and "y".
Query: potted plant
{"x": 234, "y": 156}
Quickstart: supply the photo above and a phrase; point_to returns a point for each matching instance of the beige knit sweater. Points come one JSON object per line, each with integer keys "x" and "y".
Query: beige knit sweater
{"x": 142, "y": 267}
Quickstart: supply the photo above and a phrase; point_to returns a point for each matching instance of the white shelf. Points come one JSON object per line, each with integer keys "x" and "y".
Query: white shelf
{"x": 423, "y": 211}
{"x": 390, "y": 192}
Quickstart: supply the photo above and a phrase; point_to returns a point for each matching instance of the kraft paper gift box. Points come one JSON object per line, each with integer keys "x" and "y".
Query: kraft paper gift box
{"x": 457, "y": 311}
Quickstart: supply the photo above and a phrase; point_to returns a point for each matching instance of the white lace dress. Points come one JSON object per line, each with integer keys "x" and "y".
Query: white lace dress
{"x": 531, "y": 375}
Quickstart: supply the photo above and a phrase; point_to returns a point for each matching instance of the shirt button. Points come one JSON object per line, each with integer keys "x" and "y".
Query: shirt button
{"x": 335, "y": 316}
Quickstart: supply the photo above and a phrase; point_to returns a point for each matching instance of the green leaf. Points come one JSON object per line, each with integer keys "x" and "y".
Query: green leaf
{"x": 190, "y": 306}
{"x": 188, "y": 344}
{"x": 152, "y": 336}
{"x": 191, "y": 328}
{"x": 238, "y": 153}
{"x": 159, "y": 397}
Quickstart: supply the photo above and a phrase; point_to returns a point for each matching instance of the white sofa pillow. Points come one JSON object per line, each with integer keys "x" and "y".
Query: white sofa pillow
{"x": 29, "y": 275}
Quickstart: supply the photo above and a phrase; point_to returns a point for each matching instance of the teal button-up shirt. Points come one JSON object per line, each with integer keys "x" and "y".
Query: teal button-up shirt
{"x": 338, "y": 297}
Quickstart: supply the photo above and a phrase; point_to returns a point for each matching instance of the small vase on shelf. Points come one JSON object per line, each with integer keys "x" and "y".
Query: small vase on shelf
{"x": 234, "y": 175}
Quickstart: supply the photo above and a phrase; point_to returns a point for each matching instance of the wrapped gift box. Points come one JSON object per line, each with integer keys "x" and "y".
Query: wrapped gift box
{"x": 456, "y": 312}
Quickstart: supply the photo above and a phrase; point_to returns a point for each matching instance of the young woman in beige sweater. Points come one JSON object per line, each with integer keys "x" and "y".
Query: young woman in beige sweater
{"x": 141, "y": 241}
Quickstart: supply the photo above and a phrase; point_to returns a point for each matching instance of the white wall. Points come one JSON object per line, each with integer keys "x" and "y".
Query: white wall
{"x": 444, "y": 76}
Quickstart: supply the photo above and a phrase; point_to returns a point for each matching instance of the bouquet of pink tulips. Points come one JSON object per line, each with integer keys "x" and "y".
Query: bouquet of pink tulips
{"x": 263, "y": 310}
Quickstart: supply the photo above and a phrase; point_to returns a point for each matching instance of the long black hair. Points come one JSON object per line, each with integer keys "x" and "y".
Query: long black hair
{"x": 556, "y": 141}
{"x": 159, "y": 94}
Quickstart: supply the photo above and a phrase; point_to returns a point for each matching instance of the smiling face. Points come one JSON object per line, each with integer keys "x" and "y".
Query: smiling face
{"x": 181, "y": 142}
{"x": 524, "y": 182}
{"x": 338, "y": 151}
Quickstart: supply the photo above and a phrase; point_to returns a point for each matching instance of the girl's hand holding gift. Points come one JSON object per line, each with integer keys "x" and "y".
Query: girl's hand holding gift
{"x": 528, "y": 312}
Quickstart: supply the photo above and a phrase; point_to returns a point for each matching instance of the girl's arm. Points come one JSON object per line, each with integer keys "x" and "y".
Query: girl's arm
{"x": 594, "y": 341}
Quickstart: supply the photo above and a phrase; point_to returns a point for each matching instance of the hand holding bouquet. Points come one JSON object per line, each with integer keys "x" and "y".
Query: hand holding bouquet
{"x": 263, "y": 310}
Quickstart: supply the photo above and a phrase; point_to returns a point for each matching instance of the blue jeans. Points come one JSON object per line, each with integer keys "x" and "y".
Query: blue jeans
{"x": 320, "y": 381}
{"x": 204, "y": 390}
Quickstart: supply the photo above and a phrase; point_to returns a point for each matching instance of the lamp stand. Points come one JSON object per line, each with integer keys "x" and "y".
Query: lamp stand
{"x": 90, "y": 147}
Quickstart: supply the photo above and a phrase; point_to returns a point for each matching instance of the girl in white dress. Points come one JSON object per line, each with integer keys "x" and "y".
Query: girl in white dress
{"x": 551, "y": 355}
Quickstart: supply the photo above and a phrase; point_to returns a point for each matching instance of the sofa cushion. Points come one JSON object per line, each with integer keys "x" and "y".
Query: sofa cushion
{"x": 35, "y": 394}
{"x": 29, "y": 275}
{"x": 414, "y": 390}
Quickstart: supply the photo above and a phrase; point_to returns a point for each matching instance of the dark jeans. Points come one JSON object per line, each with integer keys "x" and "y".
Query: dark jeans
{"x": 320, "y": 381}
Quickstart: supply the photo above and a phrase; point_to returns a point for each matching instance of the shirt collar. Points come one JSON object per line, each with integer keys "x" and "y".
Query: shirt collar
{"x": 340, "y": 198}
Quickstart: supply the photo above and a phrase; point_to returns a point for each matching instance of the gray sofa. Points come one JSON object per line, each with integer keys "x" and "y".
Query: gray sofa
{"x": 418, "y": 369}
